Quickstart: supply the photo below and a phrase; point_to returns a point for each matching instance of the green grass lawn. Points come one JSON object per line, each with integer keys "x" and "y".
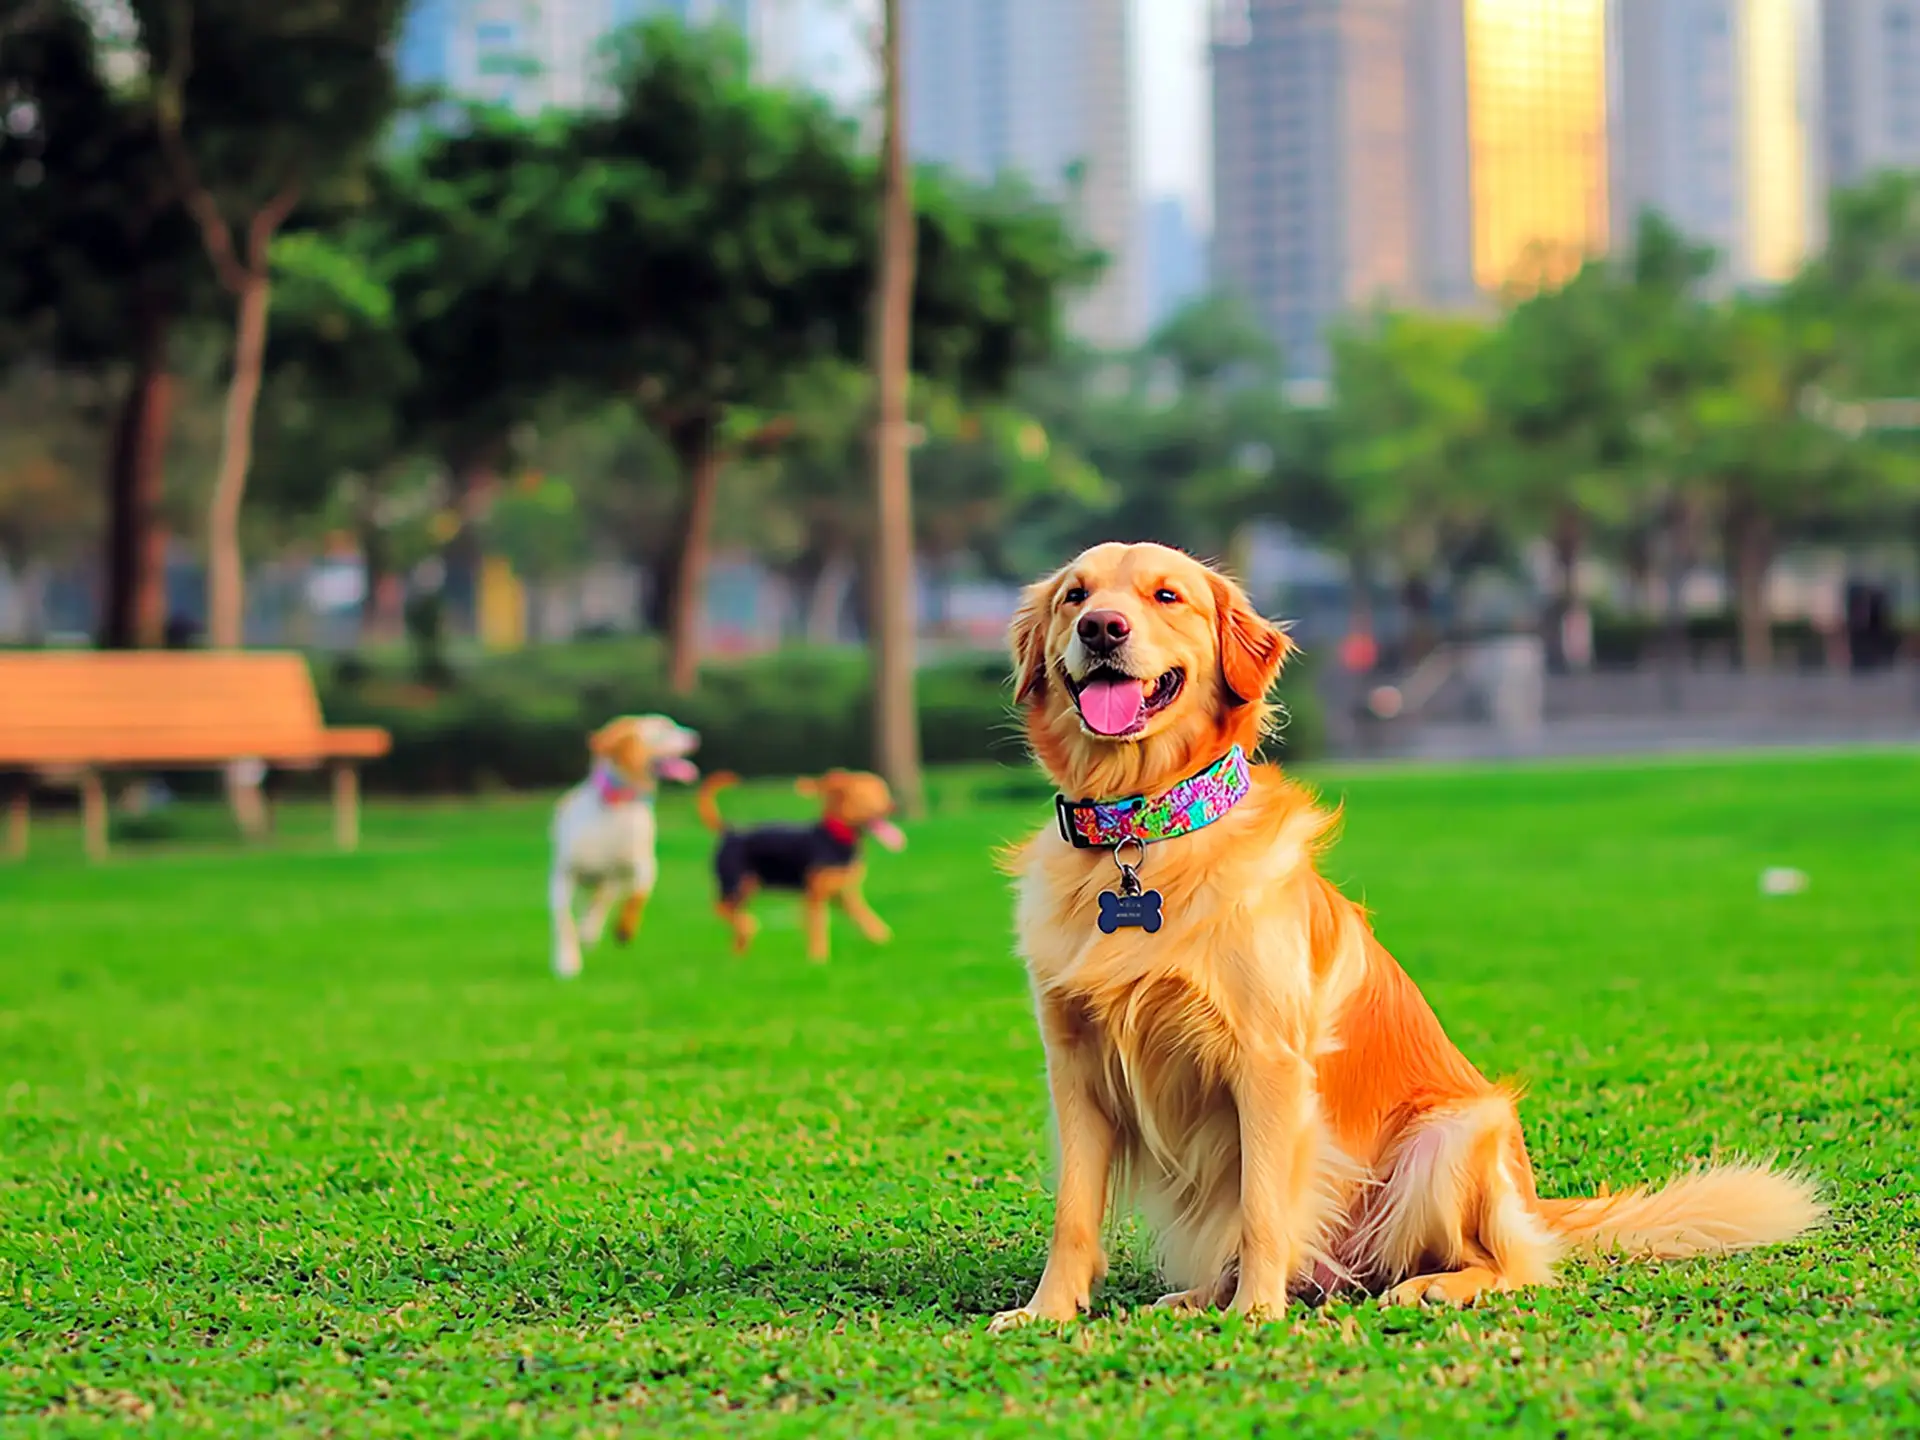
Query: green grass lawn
{"x": 291, "y": 1139}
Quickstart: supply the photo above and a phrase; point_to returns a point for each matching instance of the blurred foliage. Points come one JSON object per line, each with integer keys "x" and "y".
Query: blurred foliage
{"x": 672, "y": 292}
{"x": 517, "y": 721}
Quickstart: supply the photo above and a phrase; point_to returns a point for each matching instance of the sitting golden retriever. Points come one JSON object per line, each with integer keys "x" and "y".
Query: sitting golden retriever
{"x": 1232, "y": 1045}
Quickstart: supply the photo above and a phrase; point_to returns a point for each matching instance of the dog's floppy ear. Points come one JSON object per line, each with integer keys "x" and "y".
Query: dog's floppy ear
{"x": 603, "y": 741}
{"x": 1027, "y": 639}
{"x": 1252, "y": 648}
{"x": 807, "y": 785}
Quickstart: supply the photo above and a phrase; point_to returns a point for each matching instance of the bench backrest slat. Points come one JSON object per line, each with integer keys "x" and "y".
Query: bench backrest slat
{"x": 55, "y": 705}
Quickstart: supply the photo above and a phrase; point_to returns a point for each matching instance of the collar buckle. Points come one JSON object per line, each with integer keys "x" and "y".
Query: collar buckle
{"x": 1062, "y": 808}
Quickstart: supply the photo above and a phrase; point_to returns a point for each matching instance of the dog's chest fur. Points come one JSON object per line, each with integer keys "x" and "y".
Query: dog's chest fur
{"x": 595, "y": 840}
{"x": 1233, "y": 966}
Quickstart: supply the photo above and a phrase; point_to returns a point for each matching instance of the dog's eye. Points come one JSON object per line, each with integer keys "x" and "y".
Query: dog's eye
{"x": 1076, "y": 595}
{"x": 1166, "y": 597}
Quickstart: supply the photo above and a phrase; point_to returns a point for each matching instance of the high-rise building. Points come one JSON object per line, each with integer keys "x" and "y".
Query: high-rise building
{"x": 1536, "y": 97}
{"x": 1313, "y": 198}
{"x": 1430, "y": 150}
{"x": 1038, "y": 88}
{"x": 531, "y": 54}
{"x": 1710, "y": 128}
{"x": 1871, "y": 80}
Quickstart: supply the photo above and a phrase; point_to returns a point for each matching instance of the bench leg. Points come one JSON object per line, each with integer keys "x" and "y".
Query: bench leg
{"x": 346, "y": 806}
{"x": 18, "y": 815}
{"x": 93, "y": 814}
{"x": 243, "y": 781}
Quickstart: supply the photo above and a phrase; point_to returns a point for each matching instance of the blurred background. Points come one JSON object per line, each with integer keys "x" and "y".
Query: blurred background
{"x": 1551, "y": 363}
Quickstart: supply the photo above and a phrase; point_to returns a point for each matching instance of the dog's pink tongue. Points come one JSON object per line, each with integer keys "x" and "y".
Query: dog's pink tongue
{"x": 1112, "y": 707}
{"x": 888, "y": 834}
{"x": 674, "y": 767}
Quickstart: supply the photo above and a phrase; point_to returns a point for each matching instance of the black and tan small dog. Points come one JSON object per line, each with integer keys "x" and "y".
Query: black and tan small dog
{"x": 821, "y": 861}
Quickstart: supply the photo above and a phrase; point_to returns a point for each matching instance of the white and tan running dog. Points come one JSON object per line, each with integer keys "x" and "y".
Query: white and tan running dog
{"x": 603, "y": 830}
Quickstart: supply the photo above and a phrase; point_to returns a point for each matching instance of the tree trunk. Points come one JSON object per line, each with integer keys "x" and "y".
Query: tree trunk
{"x": 376, "y": 565}
{"x": 251, "y": 285}
{"x": 1750, "y": 546}
{"x": 896, "y": 716}
{"x": 32, "y": 578}
{"x": 226, "y": 576}
{"x": 476, "y": 480}
{"x": 693, "y": 444}
{"x": 1423, "y": 636}
{"x": 1567, "y": 607}
{"x": 656, "y": 595}
{"x": 134, "y": 612}
{"x": 827, "y": 599}
{"x": 1679, "y": 564}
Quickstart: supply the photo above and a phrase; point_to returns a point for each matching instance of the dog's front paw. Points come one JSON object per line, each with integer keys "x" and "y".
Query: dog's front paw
{"x": 566, "y": 965}
{"x": 1009, "y": 1320}
{"x": 1041, "y": 1310}
{"x": 1257, "y": 1307}
{"x": 1186, "y": 1302}
{"x": 880, "y": 934}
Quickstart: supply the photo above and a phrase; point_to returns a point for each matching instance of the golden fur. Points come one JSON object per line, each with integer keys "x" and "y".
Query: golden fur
{"x": 1261, "y": 1076}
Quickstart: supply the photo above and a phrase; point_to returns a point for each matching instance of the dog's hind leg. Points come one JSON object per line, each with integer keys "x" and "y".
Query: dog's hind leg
{"x": 639, "y": 887}
{"x": 1454, "y": 1216}
{"x": 733, "y": 910}
{"x": 566, "y": 939}
{"x": 631, "y": 909}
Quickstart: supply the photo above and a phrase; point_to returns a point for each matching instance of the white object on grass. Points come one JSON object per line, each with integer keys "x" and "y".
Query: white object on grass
{"x": 1782, "y": 880}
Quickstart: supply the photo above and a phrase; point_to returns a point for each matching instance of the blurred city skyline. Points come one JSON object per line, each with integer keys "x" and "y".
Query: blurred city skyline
{"x": 1420, "y": 151}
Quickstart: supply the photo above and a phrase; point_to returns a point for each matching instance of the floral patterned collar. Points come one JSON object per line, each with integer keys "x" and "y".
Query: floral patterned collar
{"x": 1193, "y": 804}
{"x": 613, "y": 788}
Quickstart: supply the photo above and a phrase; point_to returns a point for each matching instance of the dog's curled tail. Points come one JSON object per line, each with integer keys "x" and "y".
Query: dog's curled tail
{"x": 710, "y": 806}
{"x": 1708, "y": 1211}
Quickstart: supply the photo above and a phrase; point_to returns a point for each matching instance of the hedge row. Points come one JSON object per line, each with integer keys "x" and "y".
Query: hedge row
{"x": 1622, "y": 641}
{"x": 520, "y": 721}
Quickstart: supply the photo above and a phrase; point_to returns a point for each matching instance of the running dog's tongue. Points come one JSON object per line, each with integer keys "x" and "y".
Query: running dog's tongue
{"x": 1112, "y": 707}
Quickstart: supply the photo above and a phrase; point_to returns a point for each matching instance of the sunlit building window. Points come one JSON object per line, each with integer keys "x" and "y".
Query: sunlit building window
{"x": 1537, "y": 138}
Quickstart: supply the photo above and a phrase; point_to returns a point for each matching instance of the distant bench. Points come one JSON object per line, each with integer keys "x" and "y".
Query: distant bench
{"x": 67, "y": 715}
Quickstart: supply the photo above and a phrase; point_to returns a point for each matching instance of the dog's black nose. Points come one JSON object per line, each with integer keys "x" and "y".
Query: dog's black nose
{"x": 1102, "y": 631}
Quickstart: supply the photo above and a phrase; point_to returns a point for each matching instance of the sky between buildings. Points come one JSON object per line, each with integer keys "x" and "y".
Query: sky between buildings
{"x": 1169, "y": 87}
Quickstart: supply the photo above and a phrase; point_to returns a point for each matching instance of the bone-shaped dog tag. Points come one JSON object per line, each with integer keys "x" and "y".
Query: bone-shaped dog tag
{"x": 1132, "y": 912}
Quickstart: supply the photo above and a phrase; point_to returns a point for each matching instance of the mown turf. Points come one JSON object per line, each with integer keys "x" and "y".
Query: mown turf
{"x": 297, "y": 1140}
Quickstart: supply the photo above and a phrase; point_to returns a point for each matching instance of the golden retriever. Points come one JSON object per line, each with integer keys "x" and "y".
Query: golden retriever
{"x": 1259, "y": 1072}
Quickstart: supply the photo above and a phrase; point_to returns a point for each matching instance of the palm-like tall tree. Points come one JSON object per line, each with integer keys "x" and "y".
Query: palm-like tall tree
{"x": 896, "y": 718}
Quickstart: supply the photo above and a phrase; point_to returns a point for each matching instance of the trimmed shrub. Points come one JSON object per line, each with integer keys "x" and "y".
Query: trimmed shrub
{"x": 520, "y": 721}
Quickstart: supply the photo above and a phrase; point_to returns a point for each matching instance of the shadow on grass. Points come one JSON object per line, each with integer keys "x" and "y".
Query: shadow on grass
{"x": 758, "y": 1269}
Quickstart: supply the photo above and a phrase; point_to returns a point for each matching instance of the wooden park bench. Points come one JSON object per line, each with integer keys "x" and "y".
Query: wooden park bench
{"x": 68, "y": 715}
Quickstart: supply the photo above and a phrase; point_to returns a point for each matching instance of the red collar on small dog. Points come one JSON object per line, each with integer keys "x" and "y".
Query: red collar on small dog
{"x": 840, "y": 831}
{"x": 614, "y": 788}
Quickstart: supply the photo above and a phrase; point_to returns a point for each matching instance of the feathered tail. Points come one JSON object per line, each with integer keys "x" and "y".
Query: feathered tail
{"x": 1708, "y": 1211}
{"x": 710, "y": 807}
